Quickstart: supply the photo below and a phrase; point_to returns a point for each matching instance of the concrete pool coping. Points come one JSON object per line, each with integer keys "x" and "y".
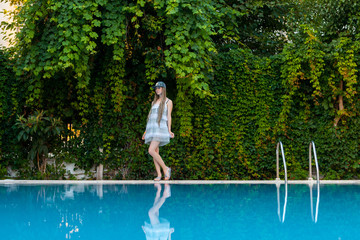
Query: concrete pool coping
{"x": 187, "y": 182}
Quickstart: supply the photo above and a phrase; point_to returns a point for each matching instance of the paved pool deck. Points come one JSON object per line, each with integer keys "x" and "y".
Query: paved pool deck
{"x": 120, "y": 182}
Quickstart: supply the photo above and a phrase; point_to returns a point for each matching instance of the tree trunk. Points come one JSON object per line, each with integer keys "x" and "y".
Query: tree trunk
{"x": 44, "y": 165}
{"x": 99, "y": 172}
{"x": 341, "y": 104}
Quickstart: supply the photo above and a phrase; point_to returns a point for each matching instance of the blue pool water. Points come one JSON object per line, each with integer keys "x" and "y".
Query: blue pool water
{"x": 183, "y": 212}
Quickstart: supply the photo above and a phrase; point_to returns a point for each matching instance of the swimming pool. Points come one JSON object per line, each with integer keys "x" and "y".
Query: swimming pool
{"x": 179, "y": 211}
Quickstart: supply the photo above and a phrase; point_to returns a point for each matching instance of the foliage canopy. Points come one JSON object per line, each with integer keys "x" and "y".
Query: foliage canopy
{"x": 243, "y": 75}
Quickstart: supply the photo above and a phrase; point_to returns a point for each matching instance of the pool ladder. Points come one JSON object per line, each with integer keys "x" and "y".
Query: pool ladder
{"x": 277, "y": 161}
{"x": 311, "y": 148}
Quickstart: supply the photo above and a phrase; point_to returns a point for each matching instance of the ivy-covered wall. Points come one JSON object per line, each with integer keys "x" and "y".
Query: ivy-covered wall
{"x": 11, "y": 97}
{"x": 242, "y": 75}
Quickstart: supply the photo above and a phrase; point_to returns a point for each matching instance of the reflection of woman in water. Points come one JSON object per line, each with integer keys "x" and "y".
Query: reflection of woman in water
{"x": 159, "y": 228}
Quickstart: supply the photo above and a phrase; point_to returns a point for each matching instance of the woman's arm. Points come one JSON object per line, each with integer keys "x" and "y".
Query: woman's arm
{"x": 170, "y": 106}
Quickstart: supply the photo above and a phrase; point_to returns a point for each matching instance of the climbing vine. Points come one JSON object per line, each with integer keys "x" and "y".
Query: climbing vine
{"x": 242, "y": 75}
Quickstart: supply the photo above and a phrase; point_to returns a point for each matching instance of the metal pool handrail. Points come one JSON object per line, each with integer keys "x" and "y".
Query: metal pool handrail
{"x": 316, "y": 162}
{"x": 277, "y": 161}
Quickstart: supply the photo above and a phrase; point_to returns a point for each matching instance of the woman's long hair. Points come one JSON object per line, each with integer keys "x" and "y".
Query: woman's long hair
{"x": 162, "y": 104}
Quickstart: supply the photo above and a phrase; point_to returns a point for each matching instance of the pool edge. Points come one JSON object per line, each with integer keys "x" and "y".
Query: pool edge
{"x": 115, "y": 182}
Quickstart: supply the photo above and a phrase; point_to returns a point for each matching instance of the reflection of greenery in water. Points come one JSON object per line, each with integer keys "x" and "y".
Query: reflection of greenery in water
{"x": 251, "y": 210}
{"x": 217, "y": 209}
{"x": 79, "y": 210}
{"x": 195, "y": 211}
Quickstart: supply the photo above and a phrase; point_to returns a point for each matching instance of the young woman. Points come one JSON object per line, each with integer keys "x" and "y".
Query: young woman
{"x": 158, "y": 128}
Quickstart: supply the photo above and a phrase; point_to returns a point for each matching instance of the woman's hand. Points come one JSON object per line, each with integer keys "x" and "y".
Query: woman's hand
{"x": 143, "y": 137}
{"x": 172, "y": 135}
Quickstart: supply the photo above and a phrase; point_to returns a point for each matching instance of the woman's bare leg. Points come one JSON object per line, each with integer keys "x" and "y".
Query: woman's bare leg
{"x": 157, "y": 158}
{"x": 157, "y": 166}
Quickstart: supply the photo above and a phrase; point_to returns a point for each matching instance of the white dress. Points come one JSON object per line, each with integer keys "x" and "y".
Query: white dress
{"x": 155, "y": 131}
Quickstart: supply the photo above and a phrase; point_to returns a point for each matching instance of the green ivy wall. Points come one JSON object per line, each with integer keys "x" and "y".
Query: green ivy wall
{"x": 242, "y": 76}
